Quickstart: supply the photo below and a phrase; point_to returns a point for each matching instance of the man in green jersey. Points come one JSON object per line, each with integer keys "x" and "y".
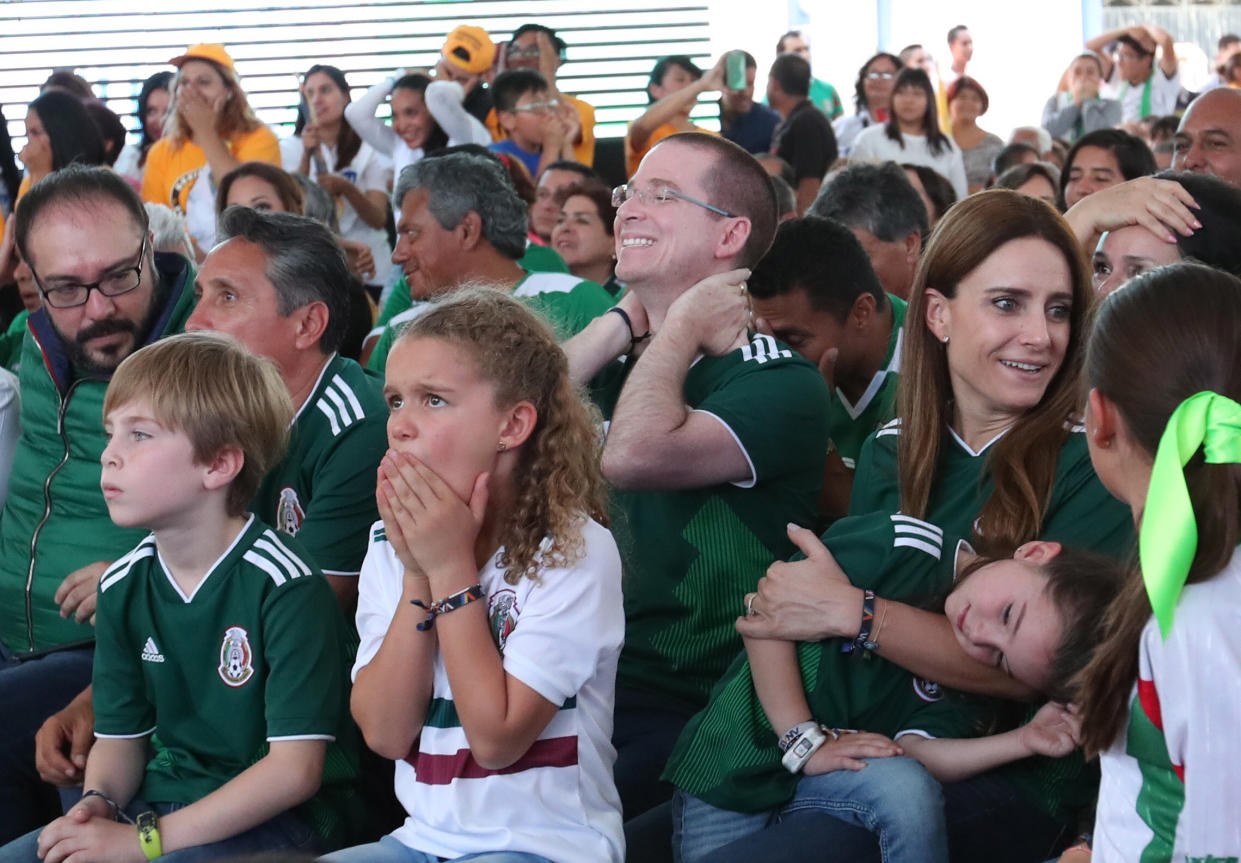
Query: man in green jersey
{"x": 276, "y": 282}
{"x": 716, "y": 438}
{"x": 84, "y": 234}
{"x": 818, "y": 294}
{"x": 460, "y": 221}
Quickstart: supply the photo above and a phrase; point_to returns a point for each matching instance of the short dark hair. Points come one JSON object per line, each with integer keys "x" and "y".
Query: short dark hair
{"x": 956, "y": 32}
{"x": 821, "y": 257}
{"x": 1133, "y": 157}
{"x": 1164, "y": 128}
{"x": 513, "y": 84}
{"x": 1012, "y": 155}
{"x": 877, "y": 198}
{"x": 792, "y": 73}
{"x": 71, "y": 133}
{"x": 74, "y": 186}
{"x": 965, "y": 82}
{"x": 304, "y": 264}
{"x": 1226, "y": 40}
{"x": 585, "y": 171}
{"x": 792, "y": 34}
{"x": 663, "y": 64}
{"x": 737, "y": 183}
{"x": 1137, "y": 46}
{"x": 68, "y": 82}
{"x": 558, "y": 44}
{"x": 937, "y": 188}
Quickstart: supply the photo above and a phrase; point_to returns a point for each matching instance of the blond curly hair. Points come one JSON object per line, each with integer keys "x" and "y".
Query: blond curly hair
{"x": 558, "y": 480}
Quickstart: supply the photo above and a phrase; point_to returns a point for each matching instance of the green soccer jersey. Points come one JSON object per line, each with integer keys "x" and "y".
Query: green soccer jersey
{"x": 853, "y": 423}
{"x": 727, "y": 755}
{"x": 691, "y": 555}
{"x": 566, "y": 302}
{"x": 538, "y": 259}
{"x": 256, "y": 654}
{"x": 323, "y": 491}
{"x": 1081, "y": 513}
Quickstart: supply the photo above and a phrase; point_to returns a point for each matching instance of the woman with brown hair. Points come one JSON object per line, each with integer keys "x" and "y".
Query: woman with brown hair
{"x": 209, "y": 131}
{"x": 1160, "y": 699}
{"x": 986, "y": 444}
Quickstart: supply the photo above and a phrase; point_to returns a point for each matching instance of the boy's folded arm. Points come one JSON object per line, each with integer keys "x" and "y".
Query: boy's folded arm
{"x": 777, "y": 680}
{"x": 289, "y": 774}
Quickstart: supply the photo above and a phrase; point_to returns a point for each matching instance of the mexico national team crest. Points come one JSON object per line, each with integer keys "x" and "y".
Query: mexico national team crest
{"x": 504, "y": 613}
{"x": 928, "y": 690}
{"x": 235, "y": 657}
{"x": 289, "y": 512}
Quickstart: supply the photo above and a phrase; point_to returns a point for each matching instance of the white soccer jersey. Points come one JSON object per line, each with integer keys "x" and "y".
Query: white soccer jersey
{"x": 560, "y": 636}
{"x": 1171, "y": 788}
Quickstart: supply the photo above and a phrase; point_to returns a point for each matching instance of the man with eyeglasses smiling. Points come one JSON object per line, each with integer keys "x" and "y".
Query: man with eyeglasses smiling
{"x": 716, "y": 437}
{"x": 83, "y": 233}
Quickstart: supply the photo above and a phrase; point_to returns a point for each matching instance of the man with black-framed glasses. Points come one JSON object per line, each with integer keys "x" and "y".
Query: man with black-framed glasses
{"x": 716, "y": 437}
{"x": 83, "y": 234}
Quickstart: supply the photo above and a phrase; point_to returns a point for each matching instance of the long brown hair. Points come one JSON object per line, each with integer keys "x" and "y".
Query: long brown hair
{"x": 1023, "y": 461}
{"x": 237, "y": 118}
{"x": 1166, "y": 335}
{"x": 558, "y": 480}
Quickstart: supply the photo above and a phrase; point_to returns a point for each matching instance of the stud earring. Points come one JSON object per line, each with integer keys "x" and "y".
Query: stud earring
{"x": 501, "y": 446}
{"x": 944, "y": 340}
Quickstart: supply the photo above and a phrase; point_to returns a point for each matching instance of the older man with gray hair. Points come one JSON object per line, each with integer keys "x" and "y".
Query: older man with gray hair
{"x": 459, "y": 220}
{"x": 884, "y": 211}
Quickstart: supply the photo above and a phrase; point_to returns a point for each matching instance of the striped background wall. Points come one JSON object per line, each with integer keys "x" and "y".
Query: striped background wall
{"x": 115, "y": 44}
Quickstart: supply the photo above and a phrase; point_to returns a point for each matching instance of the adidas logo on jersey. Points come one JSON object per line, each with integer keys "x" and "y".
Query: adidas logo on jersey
{"x": 150, "y": 653}
{"x": 909, "y": 532}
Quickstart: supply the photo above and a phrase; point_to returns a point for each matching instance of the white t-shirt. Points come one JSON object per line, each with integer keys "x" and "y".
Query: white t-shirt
{"x": 369, "y": 171}
{"x": 1172, "y": 781}
{"x": 10, "y": 426}
{"x": 873, "y": 143}
{"x": 561, "y": 636}
{"x": 1163, "y": 94}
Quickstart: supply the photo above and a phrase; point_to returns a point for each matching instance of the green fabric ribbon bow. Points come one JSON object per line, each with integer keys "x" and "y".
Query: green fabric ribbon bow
{"x": 1169, "y": 537}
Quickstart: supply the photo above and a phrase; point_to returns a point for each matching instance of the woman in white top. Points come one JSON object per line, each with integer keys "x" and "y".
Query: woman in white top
{"x": 426, "y": 115}
{"x": 912, "y": 132}
{"x": 873, "y": 98}
{"x": 328, "y": 150}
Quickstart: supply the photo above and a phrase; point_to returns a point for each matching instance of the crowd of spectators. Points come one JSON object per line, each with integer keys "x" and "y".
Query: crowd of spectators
{"x": 839, "y": 480}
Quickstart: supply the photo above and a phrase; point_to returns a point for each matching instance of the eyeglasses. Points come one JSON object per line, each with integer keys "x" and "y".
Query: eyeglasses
{"x": 660, "y": 195}
{"x": 538, "y": 107}
{"x": 72, "y": 294}
{"x": 881, "y": 76}
{"x": 515, "y": 53}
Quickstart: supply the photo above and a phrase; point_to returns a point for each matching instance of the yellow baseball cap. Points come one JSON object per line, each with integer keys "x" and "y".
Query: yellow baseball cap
{"x": 215, "y": 53}
{"x": 470, "y": 48}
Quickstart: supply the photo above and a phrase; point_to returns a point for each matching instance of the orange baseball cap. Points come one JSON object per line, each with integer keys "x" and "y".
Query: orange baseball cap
{"x": 470, "y": 48}
{"x": 215, "y": 53}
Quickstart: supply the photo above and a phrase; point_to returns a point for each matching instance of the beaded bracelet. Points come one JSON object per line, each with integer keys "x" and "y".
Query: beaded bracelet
{"x": 862, "y": 642}
{"x": 447, "y": 604}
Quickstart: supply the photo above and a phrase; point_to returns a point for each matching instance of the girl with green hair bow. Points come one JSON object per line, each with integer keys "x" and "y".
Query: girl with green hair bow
{"x": 1161, "y": 697}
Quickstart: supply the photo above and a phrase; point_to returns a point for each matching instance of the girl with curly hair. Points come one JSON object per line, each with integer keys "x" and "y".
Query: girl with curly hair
{"x": 489, "y": 607}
